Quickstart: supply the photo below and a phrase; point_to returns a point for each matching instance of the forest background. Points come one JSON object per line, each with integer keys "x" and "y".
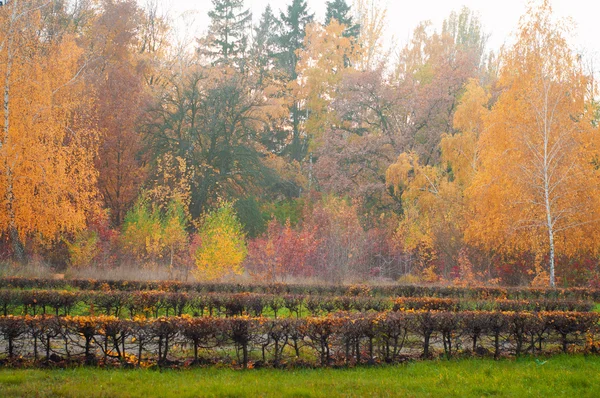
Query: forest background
{"x": 295, "y": 147}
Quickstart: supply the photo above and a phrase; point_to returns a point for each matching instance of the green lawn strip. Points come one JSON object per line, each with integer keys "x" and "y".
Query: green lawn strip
{"x": 574, "y": 376}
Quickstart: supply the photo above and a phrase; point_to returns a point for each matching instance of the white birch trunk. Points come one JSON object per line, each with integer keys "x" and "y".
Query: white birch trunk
{"x": 9, "y": 194}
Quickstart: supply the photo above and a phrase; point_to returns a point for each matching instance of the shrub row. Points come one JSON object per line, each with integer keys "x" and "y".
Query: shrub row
{"x": 336, "y": 290}
{"x": 344, "y": 338}
{"x": 155, "y": 303}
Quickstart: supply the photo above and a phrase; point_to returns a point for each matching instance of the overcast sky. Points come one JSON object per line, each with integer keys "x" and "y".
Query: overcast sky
{"x": 499, "y": 17}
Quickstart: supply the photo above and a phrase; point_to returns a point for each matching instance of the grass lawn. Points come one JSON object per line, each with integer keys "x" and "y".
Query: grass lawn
{"x": 571, "y": 376}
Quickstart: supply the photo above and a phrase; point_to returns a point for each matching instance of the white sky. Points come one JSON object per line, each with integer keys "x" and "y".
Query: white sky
{"x": 499, "y": 17}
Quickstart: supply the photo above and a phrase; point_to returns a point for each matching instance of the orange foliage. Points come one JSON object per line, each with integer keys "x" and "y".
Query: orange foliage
{"x": 537, "y": 187}
{"x": 47, "y": 176}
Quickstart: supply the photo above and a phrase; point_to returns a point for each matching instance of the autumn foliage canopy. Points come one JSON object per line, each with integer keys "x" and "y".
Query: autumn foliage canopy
{"x": 297, "y": 148}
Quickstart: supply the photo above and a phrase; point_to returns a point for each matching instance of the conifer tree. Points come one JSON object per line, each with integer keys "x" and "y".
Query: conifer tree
{"x": 264, "y": 45}
{"x": 227, "y": 39}
{"x": 290, "y": 40}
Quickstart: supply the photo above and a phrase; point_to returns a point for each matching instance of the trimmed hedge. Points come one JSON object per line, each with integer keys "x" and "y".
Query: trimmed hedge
{"x": 475, "y": 293}
{"x": 156, "y": 303}
{"x": 343, "y": 339}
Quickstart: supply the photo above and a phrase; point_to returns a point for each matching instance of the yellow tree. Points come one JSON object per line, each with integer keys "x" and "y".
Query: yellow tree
{"x": 537, "y": 184}
{"x": 372, "y": 20}
{"x": 47, "y": 176}
{"x": 460, "y": 151}
{"x": 222, "y": 244}
{"x": 152, "y": 231}
{"x": 433, "y": 202}
{"x": 322, "y": 65}
{"x": 432, "y": 211}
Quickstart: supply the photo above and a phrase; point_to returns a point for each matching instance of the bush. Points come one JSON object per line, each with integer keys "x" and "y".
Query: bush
{"x": 334, "y": 339}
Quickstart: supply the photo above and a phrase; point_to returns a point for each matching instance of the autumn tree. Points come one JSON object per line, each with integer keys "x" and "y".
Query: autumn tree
{"x": 211, "y": 121}
{"x": 268, "y": 76}
{"x": 174, "y": 230}
{"x": 141, "y": 231}
{"x": 322, "y": 64}
{"x": 154, "y": 49}
{"x": 372, "y": 19}
{"x": 117, "y": 79}
{"x": 355, "y": 153}
{"x": 460, "y": 151}
{"x": 432, "y": 224}
{"x": 381, "y": 116}
{"x": 151, "y": 233}
{"x": 282, "y": 252}
{"x": 536, "y": 187}
{"x": 431, "y": 73}
{"x": 47, "y": 145}
{"x": 170, "y": 181}
{"x": 341, "y": 11}
{"x": 222, "y": 244}
{"x": 432, "y": 197}
{"x": 340, "y": 239}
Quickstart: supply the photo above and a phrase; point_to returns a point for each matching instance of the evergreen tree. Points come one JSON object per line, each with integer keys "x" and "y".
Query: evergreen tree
{"x": 340, "y": 11}
{"x": 227, "y": 39}
{"x": 265, "y": 44}
{"x": 290, "y": 40}
{"x": 291, "y": 37}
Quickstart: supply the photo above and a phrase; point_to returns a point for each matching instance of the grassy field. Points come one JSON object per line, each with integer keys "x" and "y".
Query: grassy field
{"x": 569, "y": 376}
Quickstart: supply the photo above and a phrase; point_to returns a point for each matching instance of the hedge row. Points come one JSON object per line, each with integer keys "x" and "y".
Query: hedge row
{"x": 341, "y": 339}
{"x": 156, "y": 303}
{"x": 513, "y": 293}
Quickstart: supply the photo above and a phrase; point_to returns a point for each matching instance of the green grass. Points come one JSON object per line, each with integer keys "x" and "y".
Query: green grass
{"x": 570, "y": 376}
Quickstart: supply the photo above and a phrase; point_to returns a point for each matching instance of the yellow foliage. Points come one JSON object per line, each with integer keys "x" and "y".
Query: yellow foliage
{"x": 461, "y": 150}
{"x": 47, "y": 174}
{"x": 536, "y": 174}
{"x": 83, "y": 250}
{"x": 372, "y": 18}
{"x": 433, "y": 208}
{"x": 223, "y": 245}
{"x": 325, "y": 58}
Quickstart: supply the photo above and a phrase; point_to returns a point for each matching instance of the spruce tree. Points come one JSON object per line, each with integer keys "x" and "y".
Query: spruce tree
{"x": 290, "y": 40}
{"x": 227, "y": 38}
{"x": 264, "y": 45}
{"x": 291, "y": 37}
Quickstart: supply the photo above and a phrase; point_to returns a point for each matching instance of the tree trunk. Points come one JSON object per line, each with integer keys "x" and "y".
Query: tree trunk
{"x": 549, "y": 218}
{"x": 19, "y": 251}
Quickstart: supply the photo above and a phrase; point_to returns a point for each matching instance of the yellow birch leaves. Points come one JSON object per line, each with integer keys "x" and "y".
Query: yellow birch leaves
{"x": 222, "y": 245}
{"x": 536, "y": 174}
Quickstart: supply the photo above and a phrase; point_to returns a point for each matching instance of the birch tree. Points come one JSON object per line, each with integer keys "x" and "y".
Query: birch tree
{"x": 47, "y": 177}
{"x": 537, "y": 187}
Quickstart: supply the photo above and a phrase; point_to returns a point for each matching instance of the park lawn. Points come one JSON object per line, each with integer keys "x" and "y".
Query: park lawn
{"x": 572, "y": 376}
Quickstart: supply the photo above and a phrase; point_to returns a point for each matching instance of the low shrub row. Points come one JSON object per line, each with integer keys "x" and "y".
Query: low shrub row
{"x": 332, "y": 340}
{"x": 156, "y": 303}
{"x": 479, "y": 293}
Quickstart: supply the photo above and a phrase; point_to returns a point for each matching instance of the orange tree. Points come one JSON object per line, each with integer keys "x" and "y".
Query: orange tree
{"x": 537, "y": 185}
{"x": 47, "y": 147}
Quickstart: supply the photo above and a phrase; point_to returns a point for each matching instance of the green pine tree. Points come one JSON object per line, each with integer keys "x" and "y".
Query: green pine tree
{"x": 227, "y": 39}
{"x": 264, "y": 45}
{"x": 290, "y": 40}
